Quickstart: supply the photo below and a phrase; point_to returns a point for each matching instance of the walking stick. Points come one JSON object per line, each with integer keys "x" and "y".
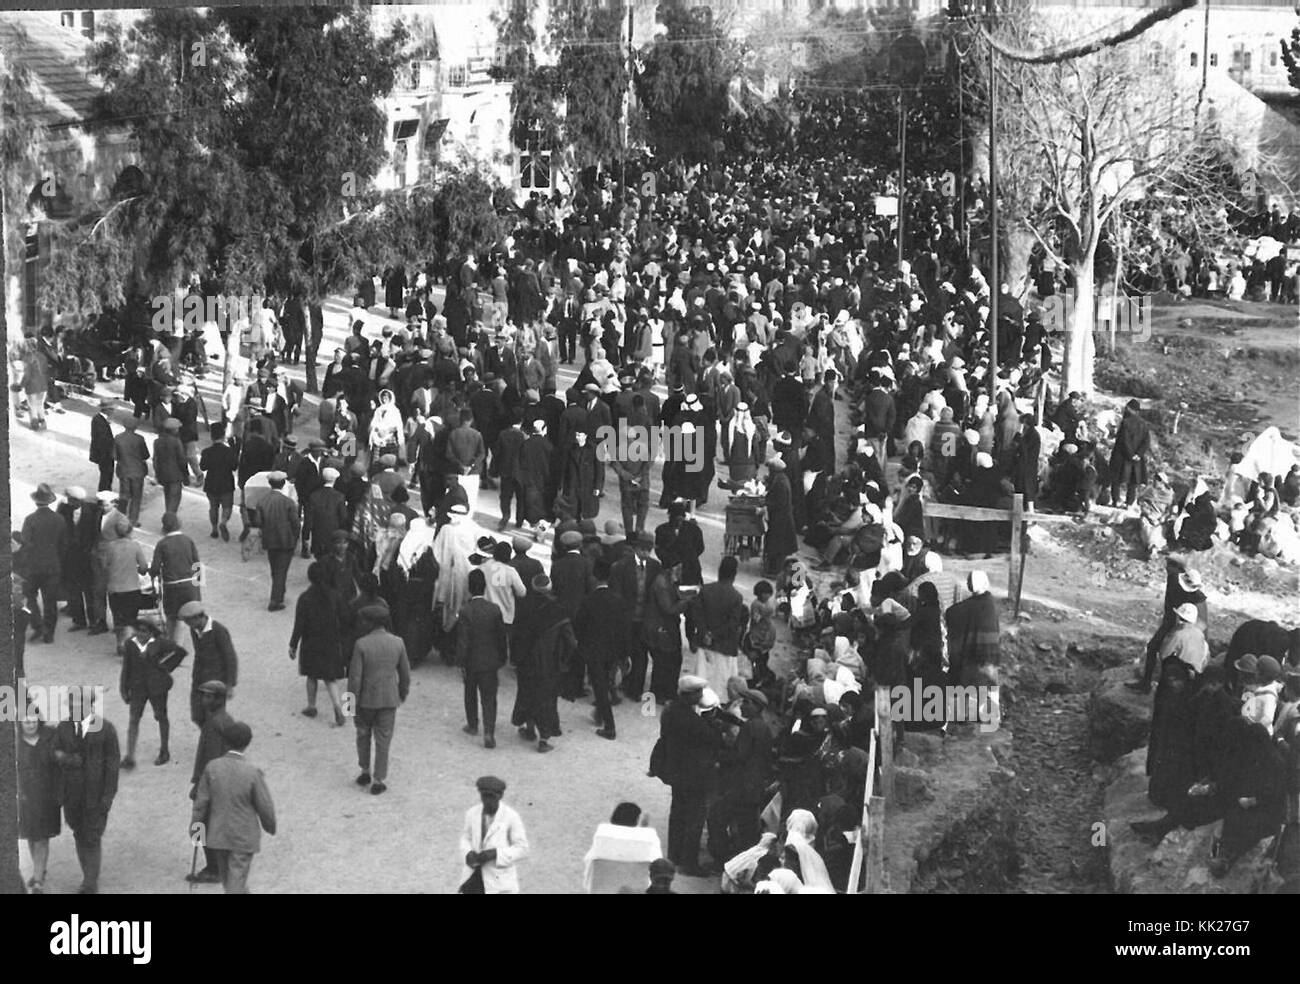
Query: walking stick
{"x": 194, "y": 867}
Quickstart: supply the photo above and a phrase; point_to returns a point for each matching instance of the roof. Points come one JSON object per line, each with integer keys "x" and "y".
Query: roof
{"x": 55, "y": 59}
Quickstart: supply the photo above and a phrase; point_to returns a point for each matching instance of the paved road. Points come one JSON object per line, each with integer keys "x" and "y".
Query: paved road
{"x": 333, "y": 837}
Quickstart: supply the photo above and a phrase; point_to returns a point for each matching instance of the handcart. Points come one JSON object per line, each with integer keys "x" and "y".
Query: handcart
{"x": 743, "y": 537}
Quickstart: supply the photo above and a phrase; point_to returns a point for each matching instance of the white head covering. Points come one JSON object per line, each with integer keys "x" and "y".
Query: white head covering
{"x": 801, "y": 828}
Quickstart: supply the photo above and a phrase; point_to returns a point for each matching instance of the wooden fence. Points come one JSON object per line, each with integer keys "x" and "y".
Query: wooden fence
{"x": 869, "y": 850}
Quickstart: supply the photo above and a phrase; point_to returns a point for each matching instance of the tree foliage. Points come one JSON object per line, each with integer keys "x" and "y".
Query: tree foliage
{"x": 1291, "y": 57}
{"x": 682, "y": 85}
{"x": 254, "y": 128}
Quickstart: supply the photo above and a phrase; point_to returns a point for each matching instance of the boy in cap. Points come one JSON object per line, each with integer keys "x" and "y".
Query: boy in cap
{"x": 492, "y": 842}
{"x": 214, "y": 655}
{"x": 147, "y": 664}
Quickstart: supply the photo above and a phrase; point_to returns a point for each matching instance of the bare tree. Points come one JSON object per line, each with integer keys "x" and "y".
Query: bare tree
{"x": 1079, "y": 138}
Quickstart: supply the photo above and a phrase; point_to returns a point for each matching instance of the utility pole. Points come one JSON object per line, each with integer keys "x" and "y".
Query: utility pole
{"x": 995, "y": 281}
{"x": 902, "y": 169}
{"x": 1205, "y": 60}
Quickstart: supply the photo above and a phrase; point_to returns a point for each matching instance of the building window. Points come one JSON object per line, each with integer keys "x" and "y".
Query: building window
{"x": 88, "y": 24}
{"x": 1272, "y": 59}
{"x": 1214, "y": 59}
{"x": 68, "y": 19}
{"x": 1245, "y": 60}
{"x": 1195, "y": 58}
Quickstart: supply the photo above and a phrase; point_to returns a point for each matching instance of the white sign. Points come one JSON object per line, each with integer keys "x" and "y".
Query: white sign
{"x": 886, "y": 205}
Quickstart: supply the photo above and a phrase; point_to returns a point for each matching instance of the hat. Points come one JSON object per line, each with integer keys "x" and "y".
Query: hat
{"x": 107, "y": 404}
{"x": 190, "y": 609}
{"x": 237, "y": 735}
{"x": 819, "y": 712}
{"x": 662, "y": 868}
{"x": 329, "y": 474}
{"x": 1190, "y": 580}
{"x": 388, "y": 460}
{"x": 757, "y": 696}
{"x": 1186, "y": 611}
{"x": 341, "y": 536}
{"x": 316, "y": 444}
{"x": 289, "y": 440}
{"x": 212, "y": 687}
{"x": 709, "y": 698}
{"x": 892, "y": 607}
{"x": 570, "y": 539}
{"x": 486, "y": 543}
{"x": 43, "y": 495}
{"x": 613, "y": 528}
{"x": 171, "y": 424}
{"x": 75, "y": 493}
{"x": 983, "y": 460}
{"x": 978, "y": 582}
{"x": 123, "y": 526}
{"x": 277, "y": 476}
{"x": 587, "y": 527}
{"x": 591, "y": 388}
{"x": 1247, "y": 664}
{"x": 775, "y": 463}
{"x": 1268, "y": 669}
{"x": 971, "y": 435}
{"x": 1070, "y": 448}
{"x": 521, "y": 544}
{"x": 375, "y": 612}
{"x": 106, "y": 497}
{"x": 691, "y": 684}
{"x": 490, "y": 784}
{"x": 459, "y": 509}
{"x": 541, "y": 583}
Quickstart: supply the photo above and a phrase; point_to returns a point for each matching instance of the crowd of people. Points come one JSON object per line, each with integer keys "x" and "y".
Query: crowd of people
{"x": 804, "y": 366}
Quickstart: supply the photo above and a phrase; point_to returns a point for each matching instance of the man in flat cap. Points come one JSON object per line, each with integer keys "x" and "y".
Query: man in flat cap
{"x": 170, "y": 466}
{"x": 324, "y": 514}
{"x": 481, "y": 636}
{"x": 232, "y": 806}
{"x": 379, "y": 678}
{"x": 214, "y": 655}
{"x": 492, "y": 842}
{"x": 130, "y": 453}
{"x": 280, "y": 527}
{"x": 686, "y": 758}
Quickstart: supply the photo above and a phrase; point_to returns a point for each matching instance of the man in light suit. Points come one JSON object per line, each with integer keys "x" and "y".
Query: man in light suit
{"x": 232, "y": 806}
{"x": 493, "y": 841}
{"x": 280, "y": 526}
{"x": 379, "y": 678}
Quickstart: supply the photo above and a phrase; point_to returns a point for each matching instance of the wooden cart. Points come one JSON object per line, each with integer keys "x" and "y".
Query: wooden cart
{"x": 745, "y": 527}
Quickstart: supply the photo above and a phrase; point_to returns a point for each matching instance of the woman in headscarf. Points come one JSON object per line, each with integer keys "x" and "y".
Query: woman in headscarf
{"x": 742, "y": 446}
{"x": 386, "y": 428}
{"x": 801, "y": 830}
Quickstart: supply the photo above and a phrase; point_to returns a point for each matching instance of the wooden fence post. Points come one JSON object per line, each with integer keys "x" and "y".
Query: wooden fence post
{"x": 885, "y": 728}
{"x": 1013, "y": 566}
{"x": 876, "y": 846}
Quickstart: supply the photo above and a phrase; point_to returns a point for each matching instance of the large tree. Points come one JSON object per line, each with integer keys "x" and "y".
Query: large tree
{"x": 1079, "y": 138}
{"x": 257, "y": 128}
{"x": 683, "y": 81}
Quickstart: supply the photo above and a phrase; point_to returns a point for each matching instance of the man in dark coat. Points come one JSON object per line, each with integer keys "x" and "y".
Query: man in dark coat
{"x": 214, "y": 656}
{"x": 571, "y": 582}
{"x": 680, "y": 541}
{"x": 1128, "y": 461}
{"x": 601, "y": 627}
{"x": 542, "y": 647}
{"x": 689, "y": 747}
{"x": 255, "y": 456}
{"x": 88, "y": 755}
{"x": 45, "y": 541}
{"x": 780, "y": 540}
{"x": 325, "y": 513}
{"x": 101, "y": 444}
{"x": 821, "y": 416}
{"x": 480, "y": 652}
{"x": 535, "y": 474}
{"x": 974, "y": 635}
{"x": 1028, "y": 447}
{"x": 505, "y": 463}
{"x": 717, "y": 615}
